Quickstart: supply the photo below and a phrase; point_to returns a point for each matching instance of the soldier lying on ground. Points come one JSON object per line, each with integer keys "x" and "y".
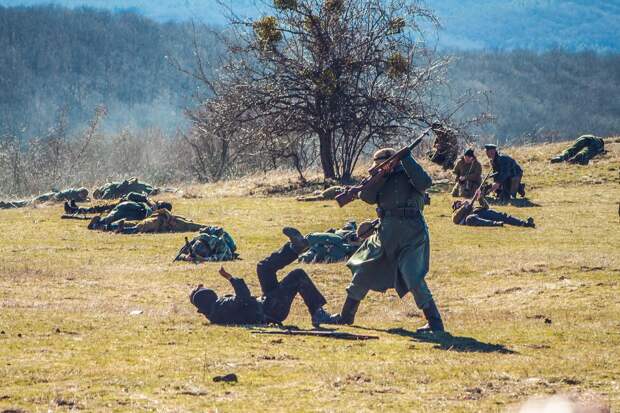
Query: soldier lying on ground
{"x": 445, "y": 148}
{"x": 336, "y": 245}
{"x": 160, "y": 221}
{"x": 507, "y": 175}
{"x": 464, "y": 213}
{"x": 585, "y": 148}
{"x": 398, "y": 255}
{"x": 129, "y": 211}
{"x": 114, "y": 190}
{"x": 72, "y": 208}
{"x": 468, "y": 173}
{"x": 212, "y": 244}
{"x": 70, "y": 194}
{"x": 328, "y": 194}
{"x": 277, "y": 296}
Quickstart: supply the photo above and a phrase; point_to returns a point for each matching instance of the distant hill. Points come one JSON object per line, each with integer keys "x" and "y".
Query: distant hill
{"x": 59, "y": 62}
{"x": 468, "y": 24}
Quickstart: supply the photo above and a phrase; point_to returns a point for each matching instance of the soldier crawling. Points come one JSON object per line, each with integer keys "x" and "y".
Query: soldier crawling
{"x": 274, "y": 305}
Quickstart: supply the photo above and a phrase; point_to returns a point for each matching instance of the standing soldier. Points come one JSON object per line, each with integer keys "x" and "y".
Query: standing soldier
{"x": 398, "y": 255}
{"x": 468, "y": 172}
{"x": 446, "y": 146}
{"x": 507, "y": 174}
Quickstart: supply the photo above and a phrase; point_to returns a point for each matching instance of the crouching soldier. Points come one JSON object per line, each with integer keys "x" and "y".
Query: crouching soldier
{"x": 445, "y": 147}
{"x": 398, "y": 255}
{"x": 277, "y": 296}
{"x": 507, "y": 174}
{"x": 464, "y": 213}
{"x": 584, "y": 149}
{"x": 468, "y": 173}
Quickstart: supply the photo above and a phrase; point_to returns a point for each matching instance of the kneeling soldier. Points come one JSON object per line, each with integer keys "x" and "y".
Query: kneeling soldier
{"x": 275, "y": 303}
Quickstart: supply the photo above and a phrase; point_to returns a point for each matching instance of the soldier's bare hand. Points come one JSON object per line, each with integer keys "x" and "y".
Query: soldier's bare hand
{"x": 224, "y": 273}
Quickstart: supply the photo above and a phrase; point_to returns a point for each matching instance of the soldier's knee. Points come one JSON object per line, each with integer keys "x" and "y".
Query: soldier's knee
{"x": 471, "y": 220}
{"x": 299, "y": 275}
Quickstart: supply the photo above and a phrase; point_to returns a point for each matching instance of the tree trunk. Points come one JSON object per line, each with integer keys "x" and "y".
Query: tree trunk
{"x": 327, "y": 159}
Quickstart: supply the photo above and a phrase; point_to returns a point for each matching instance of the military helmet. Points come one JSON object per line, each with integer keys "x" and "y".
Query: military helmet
{"x": 383, "y": 155}
{"x": 203, "y": 298}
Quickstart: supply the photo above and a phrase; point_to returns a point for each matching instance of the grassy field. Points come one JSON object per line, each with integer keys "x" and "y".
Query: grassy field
{"x": 530, "y": 312}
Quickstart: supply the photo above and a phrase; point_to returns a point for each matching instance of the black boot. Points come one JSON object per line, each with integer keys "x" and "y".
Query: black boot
{"x": 521, "y": 190}
{"x": 298, "y": 241}
{"x": 434, "y": 324}
{"x": 347, "y": 314}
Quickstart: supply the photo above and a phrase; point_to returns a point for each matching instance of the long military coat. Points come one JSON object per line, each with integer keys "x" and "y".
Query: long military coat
{"x": 398, "y": 255}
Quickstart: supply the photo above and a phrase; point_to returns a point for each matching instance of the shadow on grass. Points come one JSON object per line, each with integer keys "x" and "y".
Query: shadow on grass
{"x": 519, "y": 203}
{"x": 448, "y": 342}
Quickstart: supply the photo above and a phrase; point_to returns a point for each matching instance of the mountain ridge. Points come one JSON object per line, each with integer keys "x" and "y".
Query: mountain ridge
{"x": 573, "y": 25}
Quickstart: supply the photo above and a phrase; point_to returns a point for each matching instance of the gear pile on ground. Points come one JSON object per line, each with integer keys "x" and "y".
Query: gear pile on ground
{"x": 211, "y": 244}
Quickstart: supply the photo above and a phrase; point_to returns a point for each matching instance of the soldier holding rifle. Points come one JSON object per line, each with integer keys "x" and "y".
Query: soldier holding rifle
{"x": 398, "y": 255}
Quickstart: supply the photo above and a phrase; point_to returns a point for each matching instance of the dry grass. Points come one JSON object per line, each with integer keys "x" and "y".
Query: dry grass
{"x": 531, "y": 312}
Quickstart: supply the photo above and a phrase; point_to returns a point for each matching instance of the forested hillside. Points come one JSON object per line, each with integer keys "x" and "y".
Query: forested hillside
{"x": 480, "y": 24}
{"x": 64, "y": 62}
{"x": 56, "y": 61}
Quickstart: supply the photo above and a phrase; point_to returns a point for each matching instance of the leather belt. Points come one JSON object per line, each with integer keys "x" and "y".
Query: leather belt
{"x": 398, "y": 212}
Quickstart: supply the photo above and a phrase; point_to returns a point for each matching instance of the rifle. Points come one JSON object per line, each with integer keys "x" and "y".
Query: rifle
{"x": 75, "y": 216}
{"x": 328, "y": 334}
{"x": 185, "y": 249}
{"x": 478, "y": 192}
{"x": 379, "y": 171}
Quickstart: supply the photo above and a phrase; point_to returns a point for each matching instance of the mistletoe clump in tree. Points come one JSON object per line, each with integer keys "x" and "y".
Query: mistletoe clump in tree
{"x": 342, "y": 73}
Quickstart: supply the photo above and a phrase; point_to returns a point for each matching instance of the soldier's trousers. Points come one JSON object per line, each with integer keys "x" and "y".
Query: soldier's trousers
{"x": 509, "y": 188}
{"x": 279, "y": 295}
{"x": 488, "y": 217}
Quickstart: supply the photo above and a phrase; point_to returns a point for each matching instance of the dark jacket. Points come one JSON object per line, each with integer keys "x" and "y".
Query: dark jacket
{"x": 505, "y": 167}
{"x": 240, "y": 308}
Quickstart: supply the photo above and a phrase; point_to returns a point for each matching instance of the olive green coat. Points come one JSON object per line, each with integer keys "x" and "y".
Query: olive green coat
{"x": 398, "y": 255}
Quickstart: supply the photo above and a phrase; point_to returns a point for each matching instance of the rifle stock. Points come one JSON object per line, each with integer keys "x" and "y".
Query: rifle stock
{"x": 378, "y": 171}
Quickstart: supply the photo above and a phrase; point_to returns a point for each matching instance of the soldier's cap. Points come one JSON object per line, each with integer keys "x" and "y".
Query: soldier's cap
{"x": 203, "y": 298}
{"x": 383, "y": 154}
{"x": 469, "y": 152}
{"x": 490, "y": 146}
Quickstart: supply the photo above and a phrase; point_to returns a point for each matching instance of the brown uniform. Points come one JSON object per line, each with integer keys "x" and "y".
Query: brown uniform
{"x": 472, "y": 172}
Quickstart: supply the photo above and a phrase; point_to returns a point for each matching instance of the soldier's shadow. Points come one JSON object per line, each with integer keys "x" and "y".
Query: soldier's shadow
{"x": 519, "y": 203}
{"x": 448, "y": 342}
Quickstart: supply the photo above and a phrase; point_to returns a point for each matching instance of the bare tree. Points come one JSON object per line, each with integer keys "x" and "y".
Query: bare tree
{"x": 341, "y": 72}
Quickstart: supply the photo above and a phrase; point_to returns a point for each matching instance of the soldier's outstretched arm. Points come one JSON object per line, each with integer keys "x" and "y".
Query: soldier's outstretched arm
{"x": 240, "y": 287}
{"x": 417, "y": 175}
